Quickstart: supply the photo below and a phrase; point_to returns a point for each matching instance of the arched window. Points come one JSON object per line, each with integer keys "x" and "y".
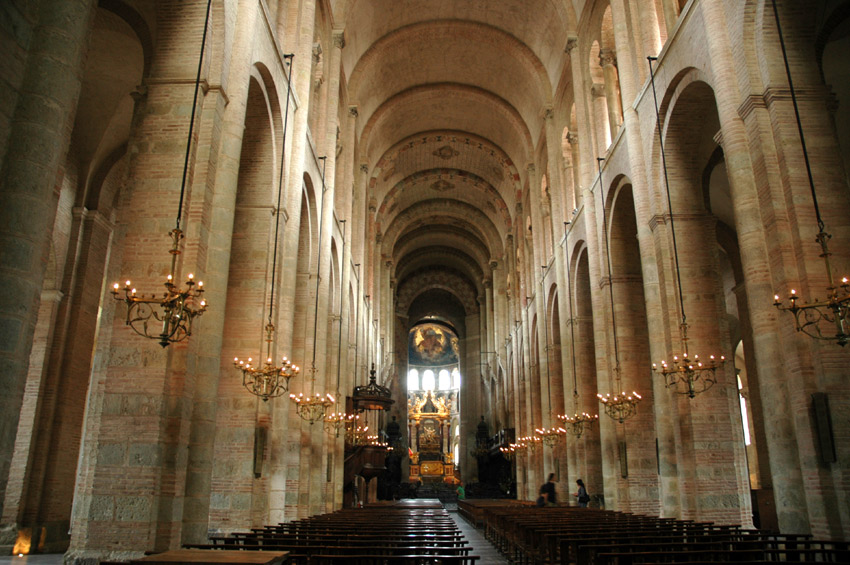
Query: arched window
{"x": 445, "y": 380}
{"x": 455, "y": 379}
{"x": 428, "y": 380}
{"x": 413, "y": 380}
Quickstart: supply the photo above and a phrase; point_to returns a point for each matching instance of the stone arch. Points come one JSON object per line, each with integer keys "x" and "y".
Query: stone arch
{"x": 452, "y": 282}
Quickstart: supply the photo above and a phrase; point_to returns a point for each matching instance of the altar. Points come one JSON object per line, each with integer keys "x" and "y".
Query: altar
{"x": 429, "y": 422}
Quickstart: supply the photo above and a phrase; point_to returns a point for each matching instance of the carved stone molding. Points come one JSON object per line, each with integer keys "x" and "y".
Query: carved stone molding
{"x": 607, "y": 57}
{"x": 597, "y": 90}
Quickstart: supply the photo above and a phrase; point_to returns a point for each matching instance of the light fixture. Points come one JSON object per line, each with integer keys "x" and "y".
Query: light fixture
{"x": 576, "y": 424}
{"x": 549, "y": 436}
{"x": 270, "y": 380}
{"x": 621, "y": 406}
{"x": 508, "y": 452}
{"x": 531, "y": 443}
{"x": 818, "y": 318}
{"x": 313, "y": 408}
{"x": 168, "y": 318}
{"x": 335, "y": 421}
{"x": 685, "y": 375}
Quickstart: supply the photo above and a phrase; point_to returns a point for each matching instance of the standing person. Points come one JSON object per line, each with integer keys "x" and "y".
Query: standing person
{"x": 461, "y": 493}
{"x": 547, "y": 492}
{"x": 581, "y": 494}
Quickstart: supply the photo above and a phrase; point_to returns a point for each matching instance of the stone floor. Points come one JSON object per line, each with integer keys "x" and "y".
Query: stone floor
{"x": 480, "y": 546}
{"x": 52, "y": 559}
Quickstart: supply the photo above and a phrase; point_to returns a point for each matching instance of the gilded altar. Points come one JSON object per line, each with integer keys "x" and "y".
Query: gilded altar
{"x": 429, "y": 416}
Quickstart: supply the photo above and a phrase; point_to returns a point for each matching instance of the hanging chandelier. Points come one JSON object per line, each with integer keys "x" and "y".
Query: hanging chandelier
{"x": 531, "y": 443}
{"x": 270, "y": 380}
{"x": 355, "y": 434}
{"x": 694, "y": 375}
{"x": 337, "y": 421}
{"x": 820, "y": 318}
{"x": 685, "y": 375}
{"x": 621, "y": 406}
{"x": 508, "y": 452}
{"x": 550, "y": 436}
{"x": 168, "y": 318}
{"x": 313, "y": 408}
{"x": 577, "y": 424}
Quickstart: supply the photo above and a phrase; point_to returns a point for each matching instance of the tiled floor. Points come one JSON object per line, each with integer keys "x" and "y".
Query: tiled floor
{"x": 480, "y": 546}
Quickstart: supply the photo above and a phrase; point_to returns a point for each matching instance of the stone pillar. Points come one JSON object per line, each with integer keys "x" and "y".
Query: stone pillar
{"x": 62, "y": 397}
{"x": 230, "y": 108}
{"x": 584, "y": 110}
{"x": 671, "y": 14}
{"x": 600, "y": 114}
{"x": 645, "y": 319}
{"x": 608, "y": 62}
{"x": 139, "y": 413}
{"x": 573, "y": 140}
{"x": 47, "y": 100}
{"x": 772, "y": 347}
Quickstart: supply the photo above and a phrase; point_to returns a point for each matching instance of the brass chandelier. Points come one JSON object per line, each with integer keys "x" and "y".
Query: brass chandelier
{"x": 336, "y": 421}
{"x": 819, "y": 318}
{"x": 168, "y": 318}
{"x": 270, "y": 380}
{"x": 312, "y": 408}
{"x": 549, "y": 436}
{"x": 621, "y": 406}
{"x": 576, "y": 424}
{"x": 685, "y": 375}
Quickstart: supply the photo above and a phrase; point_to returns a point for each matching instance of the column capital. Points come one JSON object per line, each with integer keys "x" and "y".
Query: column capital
{"x": 494, "y": 265}
{"x": 597, "y": 90}
{"x": 572, "y": 43}
{"x": 572, "y": 137}
{"x": 607, "y": 57}
{"x": 364, "y": 168}
{"x": 339, "y": 39}
{"x": 530, "y": 167}
{"x": 548, "y": 113}
{"x": 353, "y": 112}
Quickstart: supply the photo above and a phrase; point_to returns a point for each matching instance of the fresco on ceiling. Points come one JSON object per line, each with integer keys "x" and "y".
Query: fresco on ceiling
{"x": 432, "y": 344}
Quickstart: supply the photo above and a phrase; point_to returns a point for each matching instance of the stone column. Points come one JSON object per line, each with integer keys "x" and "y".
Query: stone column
{"x": 671, "y": 14}
{"x": 600, "y": 114}
{"x": 772, "y": 347}
{"x": 43, "y": 116}
{"x": 62, "y": 397}
{"x": 651, "y": 421}
{"x": 585, "y": 163}
{"x": 573, "y": 140}
{"x": 608, "y": 62}
{"x": 230, "y": 108}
